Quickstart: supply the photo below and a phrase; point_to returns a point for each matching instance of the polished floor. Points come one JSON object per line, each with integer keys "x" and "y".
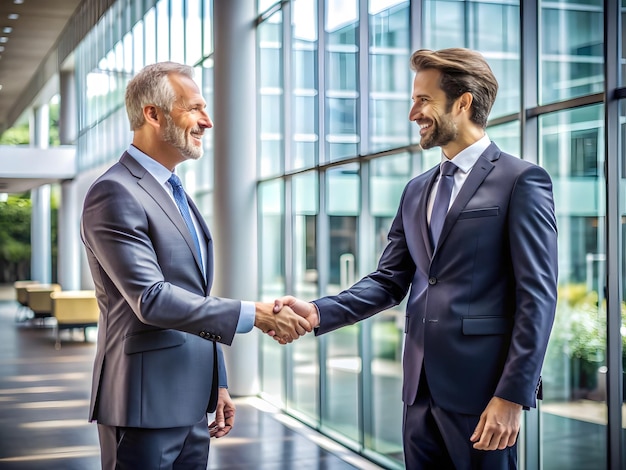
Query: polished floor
{"x": 44, "y": 397}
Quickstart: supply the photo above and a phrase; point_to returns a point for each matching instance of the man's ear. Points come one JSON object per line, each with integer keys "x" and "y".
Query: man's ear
{"x": 151, "y": 114}
{"x": 465, "y": 101}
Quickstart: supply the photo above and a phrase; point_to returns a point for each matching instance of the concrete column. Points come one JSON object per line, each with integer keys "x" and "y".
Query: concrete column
{"x": 40, "y": 239}
{"x": 235, "y": 227}
{"x": 69, "y": 245}
{"x": 67, "y": 109}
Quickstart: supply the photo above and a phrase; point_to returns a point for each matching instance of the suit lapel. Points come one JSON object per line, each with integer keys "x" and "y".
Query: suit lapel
{"x": 157, "y": 192}
{"x": 422, "y": 217}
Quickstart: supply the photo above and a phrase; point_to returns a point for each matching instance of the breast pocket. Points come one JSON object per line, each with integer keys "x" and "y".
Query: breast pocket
{"x": 482, "y": 212}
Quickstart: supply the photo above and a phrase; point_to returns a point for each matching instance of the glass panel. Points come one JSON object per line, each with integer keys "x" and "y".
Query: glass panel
{"x": 390, "y": 75}
{"x": 177, "y": 40}
{"x": 305, "y": 353}
{"x": 388, "y": 176}
{"x": 571, "y": 43}
{"x": 150, "y": 34}
{"x": 163, "y": 31}
{"x": 507, "y": 137}
{"x": 271, "y": 112}
{"x": 305, "y": 136}
{"x": 343, "y": 361}
{"x": 443, "y": 24}
{"x": 193, "y": 32}
{"x": 272, "y": 282}
{"x": 573, "y": 411}
{"x": 207, "y": 34}
{"x": 342, "y": 79}
{"x": 493, "y": 28}
{"x": 263, "y": 5}
{"x": 138, "y": 47}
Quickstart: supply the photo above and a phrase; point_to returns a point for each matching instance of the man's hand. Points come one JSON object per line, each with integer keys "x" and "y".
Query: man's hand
{"x": 498, "y": 426}
{"x": 306, "y": 310}
{"x": 282, "y": 324}
{"x": 224, "y": 415}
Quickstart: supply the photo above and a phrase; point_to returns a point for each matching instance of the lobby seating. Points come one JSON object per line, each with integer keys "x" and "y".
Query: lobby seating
{"x": 39, "y": 300}
{"x": 23, "y": 311}
{"x": 74, "y": 309}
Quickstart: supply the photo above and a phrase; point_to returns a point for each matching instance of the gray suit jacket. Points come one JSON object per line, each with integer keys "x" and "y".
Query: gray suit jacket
{"x": 157, "y": 363}
{"x": 481, "y": 307}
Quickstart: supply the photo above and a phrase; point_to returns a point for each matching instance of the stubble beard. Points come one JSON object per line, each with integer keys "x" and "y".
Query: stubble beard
{"x": 442, "y": 133}
{"x": 175, "y": 136}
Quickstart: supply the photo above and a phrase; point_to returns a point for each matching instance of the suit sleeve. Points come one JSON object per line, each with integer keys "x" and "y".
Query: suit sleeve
{"x": 118, "y": 235}
{"x": 532, "y": 235}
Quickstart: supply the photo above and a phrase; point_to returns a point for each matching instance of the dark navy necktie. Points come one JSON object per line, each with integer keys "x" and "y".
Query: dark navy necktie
{"x": 183, "y": 207}
{"x": 442, "y": 200}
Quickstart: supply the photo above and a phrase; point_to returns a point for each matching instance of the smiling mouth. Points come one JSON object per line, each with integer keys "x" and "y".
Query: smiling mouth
{"x": 424, "y": 128}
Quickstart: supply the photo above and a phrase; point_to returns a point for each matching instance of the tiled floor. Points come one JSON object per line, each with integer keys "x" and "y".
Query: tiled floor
{"x": 44, "y": 397}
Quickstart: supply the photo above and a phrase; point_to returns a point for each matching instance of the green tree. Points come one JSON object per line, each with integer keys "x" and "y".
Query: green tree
{"x": 15, "y": 215}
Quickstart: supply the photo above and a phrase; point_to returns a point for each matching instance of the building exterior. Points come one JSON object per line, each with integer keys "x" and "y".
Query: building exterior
{"x": 310, "y": 152}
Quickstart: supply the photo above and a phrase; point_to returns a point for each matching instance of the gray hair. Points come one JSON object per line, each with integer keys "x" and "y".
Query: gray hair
{"x": 151, "y": 86}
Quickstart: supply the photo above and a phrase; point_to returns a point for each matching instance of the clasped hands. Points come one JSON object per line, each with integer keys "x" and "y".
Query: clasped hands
{"x": 286, "y": 319}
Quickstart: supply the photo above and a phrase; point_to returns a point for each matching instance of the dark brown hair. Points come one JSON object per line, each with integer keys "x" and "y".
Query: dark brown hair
{"x": 462, "y": 70}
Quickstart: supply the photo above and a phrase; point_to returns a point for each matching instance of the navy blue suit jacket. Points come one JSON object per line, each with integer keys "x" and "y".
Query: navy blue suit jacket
{"x": 480, "y": 307}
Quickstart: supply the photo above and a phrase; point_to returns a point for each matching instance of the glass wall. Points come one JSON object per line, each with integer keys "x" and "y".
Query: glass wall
{"x": 350, "y": 84}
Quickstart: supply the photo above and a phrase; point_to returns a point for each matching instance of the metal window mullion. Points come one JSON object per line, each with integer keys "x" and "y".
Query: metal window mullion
{"x": 613, "y": 177}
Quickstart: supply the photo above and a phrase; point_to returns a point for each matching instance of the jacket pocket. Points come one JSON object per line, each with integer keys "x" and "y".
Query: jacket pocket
{"x": 475, "y": 213}
{"x": 153, "y": 340}
{"x": 487, "y": 325}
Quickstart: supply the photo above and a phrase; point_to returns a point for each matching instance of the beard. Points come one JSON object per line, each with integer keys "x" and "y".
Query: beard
{"x": 441, "y": 133}
{"x": 175, "y": 136}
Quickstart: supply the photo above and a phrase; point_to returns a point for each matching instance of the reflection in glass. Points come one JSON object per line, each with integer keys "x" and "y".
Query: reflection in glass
{"x": 390, "y": 87}
{"x": 305, "y": 138}
{"x": 305, "y": 356}
{"x": 270, "y": 112}
{"x": 384, "y": 331}
{"x": 163, "y": 31}
{"x": 342, "y": 92}
{"x": 177, "y": 24}
{"x": 489, "y": 27}
{"x": 271, "y": 281}
{"x": 574, "y": 387}
{"x": 343, "y": 361}
{"x": 571, "y": 49}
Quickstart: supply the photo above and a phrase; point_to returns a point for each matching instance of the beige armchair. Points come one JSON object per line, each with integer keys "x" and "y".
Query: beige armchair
{"x": 74, "y": 309}
{"x": 23, "y": 311}
{"x": 39, "y": 300}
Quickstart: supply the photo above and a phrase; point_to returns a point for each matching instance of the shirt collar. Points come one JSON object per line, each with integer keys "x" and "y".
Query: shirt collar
{"x": 158, "y": 171}
{"x": 468, "y": 157}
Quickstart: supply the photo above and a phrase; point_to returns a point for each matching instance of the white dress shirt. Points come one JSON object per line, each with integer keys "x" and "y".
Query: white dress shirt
{"x": 465, "y": 161}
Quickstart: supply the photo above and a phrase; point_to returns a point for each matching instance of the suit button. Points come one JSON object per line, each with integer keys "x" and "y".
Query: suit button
{"x": 432, "y": 281}
{"x": 202, "y": 334}
{"x": 218, "y": 337}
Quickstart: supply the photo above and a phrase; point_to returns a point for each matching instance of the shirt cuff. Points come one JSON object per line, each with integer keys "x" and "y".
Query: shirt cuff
{"x": 246, "y": 317}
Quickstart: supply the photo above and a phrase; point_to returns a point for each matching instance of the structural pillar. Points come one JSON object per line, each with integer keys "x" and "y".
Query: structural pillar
{"x": 235, "y": 227}
{"x": 40, "y": 232}
{"x": 69, "y": 245}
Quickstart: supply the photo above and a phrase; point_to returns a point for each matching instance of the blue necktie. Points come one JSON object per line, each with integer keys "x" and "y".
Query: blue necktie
{"x": 442, "y": 200}
{"x": 183, "y": 207}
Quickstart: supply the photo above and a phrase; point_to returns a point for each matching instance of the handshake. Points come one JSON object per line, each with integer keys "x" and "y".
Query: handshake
{"x": 286, "y": 319}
